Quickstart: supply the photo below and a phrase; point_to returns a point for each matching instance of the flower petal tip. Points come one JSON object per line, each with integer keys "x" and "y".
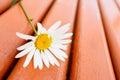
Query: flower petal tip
{"x": 71, "y": 34}
{"x": 58, "y": 64}
{"x": 18, "y": 49}
{"x": 59, "y": 22}
{"x": 17, "y": 33}
{"x": 40, "y": 68}
{"x": 16, "y": 56}
{"x": 68, "y": 24}
{"x": 70, "y": 41}
{"x": 47, "y": 66}
{"x": 53, "y": 64}
{"x": 39, "y": 24}
{"x": 66, "y": 57}
{"x": 24, "y": 66}
{"x": 35, "y": 67}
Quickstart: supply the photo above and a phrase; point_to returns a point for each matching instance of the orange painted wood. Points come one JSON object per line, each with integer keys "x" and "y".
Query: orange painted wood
{"x": 4, "y": 5}
{"x": 91, "y": 59}
{"x": 61, "y": 10}
{"x": 14, "y": 21}
{"x": 111, "y": 18}
{"x": 118, "y": 3}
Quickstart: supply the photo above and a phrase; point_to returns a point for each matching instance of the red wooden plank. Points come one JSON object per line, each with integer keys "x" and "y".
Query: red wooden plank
{"x": 118, "y": 3}
{"x": 111, "y": 18}
{"x": 4, "y": 5}
{"x": 91, "y": 59}
{"x": 14, "y": 21}
{"x": 61, "y": 10}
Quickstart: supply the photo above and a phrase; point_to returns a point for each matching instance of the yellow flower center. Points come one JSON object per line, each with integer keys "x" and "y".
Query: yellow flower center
{"x": 43, "y": 41}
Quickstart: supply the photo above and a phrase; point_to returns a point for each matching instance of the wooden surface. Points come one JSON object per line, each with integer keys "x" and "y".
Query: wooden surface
{"x": 111, "y": 21}
{"x": 91, "y": 58}
{"x": 118, "y": 3}
{"x": 94, "y": 53}
{"x": 4, "y": 5}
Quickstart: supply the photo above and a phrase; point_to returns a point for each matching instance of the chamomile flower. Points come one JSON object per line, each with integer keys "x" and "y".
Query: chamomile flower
{"x": 47, "y": 46}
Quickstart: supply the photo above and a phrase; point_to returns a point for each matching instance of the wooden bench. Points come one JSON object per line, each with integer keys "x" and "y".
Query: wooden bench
{"x": 94, "y": 53}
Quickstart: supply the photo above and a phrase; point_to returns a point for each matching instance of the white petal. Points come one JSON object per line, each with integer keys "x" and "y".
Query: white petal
{"x": 55, "y": 52}
{"x": 39, "y": 25}
{"x": 52, "y": 58}
{"x": 54, "y": 26}
{"x": 62, "y": 53}
{"x": 60, "y": 46}
{"x": 63, "y": 29}
{"x": 24, "y": 36}
{"x": 29, "y": 57}
{"x": 45, "y": 59}
{"x": 40, "y": 60}
{"x": 61, "y": 36}
{"x": 36, "y": 59}
{"x": 41, "y": 29}
{"x": 62, "y": 41}
{"x": 24, "y": 52}
{"x": 49, "y": 57}
{"x": 67, "y": 35}
{"x": 25, "y": 46}
{"x": 57, "y": 36}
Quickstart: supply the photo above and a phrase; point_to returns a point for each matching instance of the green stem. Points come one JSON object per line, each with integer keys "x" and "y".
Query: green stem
{"x": 28, "y": 18}
{"x": 13, "y": 2}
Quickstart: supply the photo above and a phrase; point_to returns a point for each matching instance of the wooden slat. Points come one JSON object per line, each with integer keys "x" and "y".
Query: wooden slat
{"x": 111, "y": 18}
{"x": 91, "y": 59}
{"x": 118, "y": 3}
{"x": 4, "y": 5}
{"x": 61, "y": 10}
{"x": 14, "y": 21}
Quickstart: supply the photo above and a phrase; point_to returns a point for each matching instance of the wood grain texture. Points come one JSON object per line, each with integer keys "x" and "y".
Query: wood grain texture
{"x": 61, "y": 10}
{"x": 111, "y": 17}
{"x": 91, "y": 58}
{"x": 4, "y": 5}
{"x": 117, "y": 3}
{"x": 14, "y": 21}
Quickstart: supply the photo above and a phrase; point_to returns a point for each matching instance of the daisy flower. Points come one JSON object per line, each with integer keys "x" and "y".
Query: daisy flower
{"x": 47, "y": 46}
